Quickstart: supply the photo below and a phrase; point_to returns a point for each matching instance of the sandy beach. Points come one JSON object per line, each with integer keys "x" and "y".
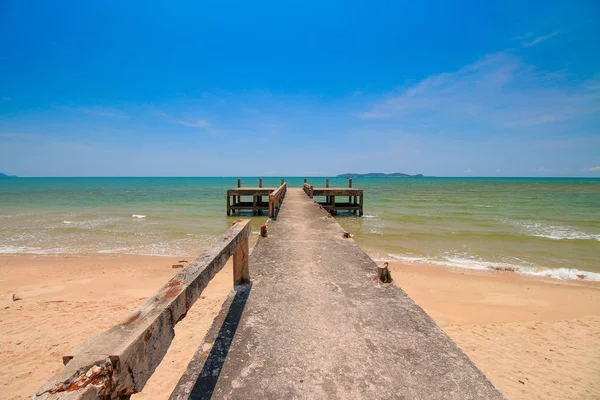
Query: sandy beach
{"x": 534, "y": 339}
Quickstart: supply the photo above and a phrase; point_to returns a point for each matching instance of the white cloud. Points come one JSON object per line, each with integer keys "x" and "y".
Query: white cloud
{"x": 497, "y": 169}
{"x": 542, "y": 169}
{"x": 203, "y": 124}
{"x": 539, "y": 39}
{"x": 104, "y": 112}
{"x": 371, "y": 115}
{"x": 498, "y": 91}
{"x": 199, "y": 123}
{"x": 592, "y": 169}
{"x": 468, "y": 171}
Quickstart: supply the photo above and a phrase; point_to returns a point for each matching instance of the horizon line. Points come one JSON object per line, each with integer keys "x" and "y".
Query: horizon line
{"x": 294, "y": 176}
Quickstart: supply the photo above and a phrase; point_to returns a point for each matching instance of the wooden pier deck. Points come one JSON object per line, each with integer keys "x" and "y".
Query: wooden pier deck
{"x": 308, "y": 318}
{"x": 258, "y": 204}
{"x": 355, "y": 203}
{"x": 315, "y": 323}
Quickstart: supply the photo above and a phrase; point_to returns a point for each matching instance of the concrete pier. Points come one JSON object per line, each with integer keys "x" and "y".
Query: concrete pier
{"x": 310, "y": 317}
{"x": 316, "y": 323}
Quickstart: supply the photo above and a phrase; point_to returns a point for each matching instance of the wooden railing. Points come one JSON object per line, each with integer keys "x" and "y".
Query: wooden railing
{"x": 118, "y": 362}
{"x": 308, "y": 189}
{"x": 276, "y": 198}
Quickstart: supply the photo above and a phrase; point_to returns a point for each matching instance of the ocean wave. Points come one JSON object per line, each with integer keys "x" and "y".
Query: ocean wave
{"x": 139, "y": 216}
{"x": 554, "y": 232}
{"x": 32, "y": 250}
{"x": 474, "y": 263}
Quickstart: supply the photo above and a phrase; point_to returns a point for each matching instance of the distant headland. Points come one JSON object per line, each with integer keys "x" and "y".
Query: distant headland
{"x": 380, "y": 175}
{"x": 6, "y": 176}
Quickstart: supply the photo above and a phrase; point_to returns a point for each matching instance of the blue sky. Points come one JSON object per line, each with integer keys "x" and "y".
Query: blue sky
{"x": 221, "y": 88}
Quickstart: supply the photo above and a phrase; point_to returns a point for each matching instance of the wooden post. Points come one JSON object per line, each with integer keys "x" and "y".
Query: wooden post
{"x": 239, "y": 182}
{"x": 271, "y": 206}
{"x": 304, "y": 180}
{"x": 241, "y": 273}
{"x": 383, "y": 273}
{"x": 228, "y": 205}
{"x": 282, "y": 181}
{"x": 254, "y": 205}
{"x": 333, "y": 210}
{"x": 360, "y": 212}
{"x": 349, "y": 185}
{"x": 259, "y": 182}
{"x": 327, "y": 182}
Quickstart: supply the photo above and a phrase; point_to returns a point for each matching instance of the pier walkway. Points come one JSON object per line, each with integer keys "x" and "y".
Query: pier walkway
{"x": 308, "y": 318}
{"x": 315, "y": 323}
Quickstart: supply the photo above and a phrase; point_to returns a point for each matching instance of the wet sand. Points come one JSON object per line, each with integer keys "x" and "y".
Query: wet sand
{"x": 533, "y": 338}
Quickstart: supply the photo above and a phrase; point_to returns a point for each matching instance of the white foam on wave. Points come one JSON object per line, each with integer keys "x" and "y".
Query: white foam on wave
{"x": 369, "y": 216}
{"x": 482, "y": 206}
{"x": 139, "y": 216}
{"x": 31, "y": 250}
{"x": 478, "y": 264}
{"x": 67, "y": 222}
{"x": 554, "y": 232}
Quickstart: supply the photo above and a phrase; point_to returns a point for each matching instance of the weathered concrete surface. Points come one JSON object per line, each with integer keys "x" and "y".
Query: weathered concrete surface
{"x": 316, "y": 324}
{"x": 118, "y": 362}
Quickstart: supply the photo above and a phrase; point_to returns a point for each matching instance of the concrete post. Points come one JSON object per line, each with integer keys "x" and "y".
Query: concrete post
{"x": 241, "y": 273}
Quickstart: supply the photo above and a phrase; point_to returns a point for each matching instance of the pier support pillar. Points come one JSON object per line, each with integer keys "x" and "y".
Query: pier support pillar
{"x": 360, "y": 212}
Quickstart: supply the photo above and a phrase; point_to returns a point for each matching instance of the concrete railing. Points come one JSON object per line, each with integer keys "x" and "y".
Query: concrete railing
{"x": 308, "y": 189}
{"x": 276, "y": 198}
{"x": 118, "y": 362}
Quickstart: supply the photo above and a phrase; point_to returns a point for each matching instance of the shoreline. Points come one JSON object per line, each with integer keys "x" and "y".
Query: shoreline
{"x": 565, "y": 275}
{"x": 543, "y": 332}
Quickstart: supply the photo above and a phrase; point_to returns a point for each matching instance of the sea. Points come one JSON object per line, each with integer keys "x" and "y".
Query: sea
{"x": 534, "y": 226}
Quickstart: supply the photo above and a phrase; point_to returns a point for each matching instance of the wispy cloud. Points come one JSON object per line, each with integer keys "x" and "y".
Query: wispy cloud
{"x": 371, "y": 115}
{"x": 468, "y": 171}
{"x": 198, "y": 123}
{"x": 36, "y": 139}
{"x": 104, "y": 112}
{"x": 498, "y": 91}
{"x": 202, "y": 124}
{"x": 592, "y": 169}
{"x": 538, "y": 39}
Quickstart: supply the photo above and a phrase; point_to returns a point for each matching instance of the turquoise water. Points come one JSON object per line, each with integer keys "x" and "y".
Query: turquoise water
{"x": 537, "y": 226}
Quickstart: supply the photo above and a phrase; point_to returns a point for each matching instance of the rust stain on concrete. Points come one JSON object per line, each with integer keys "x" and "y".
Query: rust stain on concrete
{"x": 132, "y": 318}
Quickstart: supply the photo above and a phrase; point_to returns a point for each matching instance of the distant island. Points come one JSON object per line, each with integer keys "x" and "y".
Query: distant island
{"x": 6, "y": 176}
{"x": 380, "y": 175}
